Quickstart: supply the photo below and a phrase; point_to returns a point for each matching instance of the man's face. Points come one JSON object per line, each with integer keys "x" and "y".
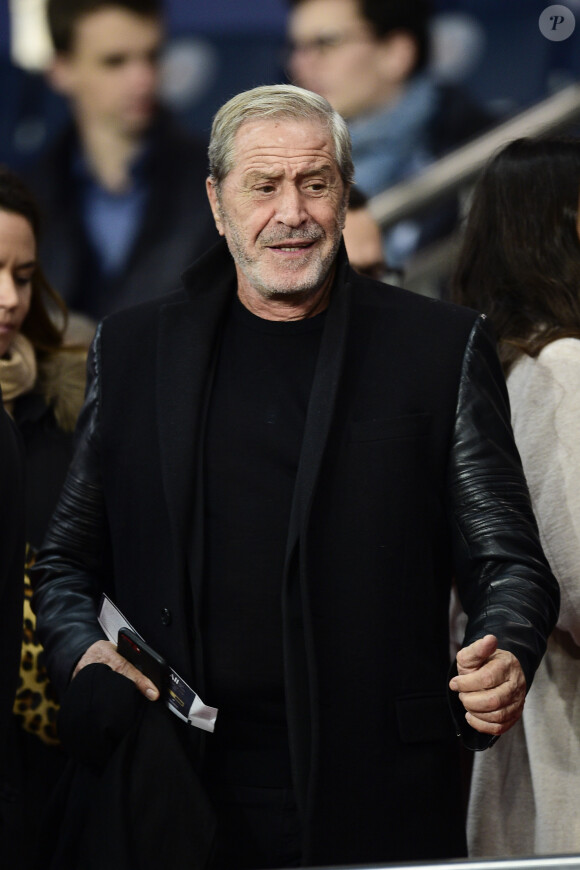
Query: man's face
{"x": 335, "y": 53}
{"x": 281, "y": 208}
{"x": 111, "y": 74}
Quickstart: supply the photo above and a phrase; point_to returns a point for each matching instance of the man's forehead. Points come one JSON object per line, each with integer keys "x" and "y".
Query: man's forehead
{"x": 282, "y": 139}
{"x": 115, "y": 30}
{"x": 316, "y": 17}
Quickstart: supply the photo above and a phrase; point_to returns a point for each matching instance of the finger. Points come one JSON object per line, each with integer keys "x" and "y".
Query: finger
{"x": 499, "y": 717}
{"x": 492, "y": 727}
{"x": 99, "y": 652}
{"x": 104, "y": 652}
{"x": 502, "y": 667}
{"x": 492, "y": 674}
{"x": 145, "y": 686}
{"x": 472, "y": 657}
{"x": 495, "y": 703}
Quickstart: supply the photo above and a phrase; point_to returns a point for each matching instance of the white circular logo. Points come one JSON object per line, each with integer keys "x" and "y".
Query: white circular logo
{"x": 557, "y": 23}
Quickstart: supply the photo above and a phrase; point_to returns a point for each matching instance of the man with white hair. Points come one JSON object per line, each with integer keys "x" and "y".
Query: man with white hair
{"x": 278, "y": 493}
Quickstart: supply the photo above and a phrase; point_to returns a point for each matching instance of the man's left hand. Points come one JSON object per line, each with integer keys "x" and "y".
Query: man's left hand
{"x": 491, "y": 686}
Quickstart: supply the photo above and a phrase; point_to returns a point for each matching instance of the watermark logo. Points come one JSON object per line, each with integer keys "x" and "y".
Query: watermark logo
{"x": 557, "y": 23}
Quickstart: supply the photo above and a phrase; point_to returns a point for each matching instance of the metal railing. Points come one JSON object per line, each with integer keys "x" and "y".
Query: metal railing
{"x": 450, "y": 173}
{"x": 548, "y": 862}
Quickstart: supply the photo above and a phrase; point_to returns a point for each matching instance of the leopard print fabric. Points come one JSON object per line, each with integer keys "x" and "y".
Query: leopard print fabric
{"x": 35, "y": 705}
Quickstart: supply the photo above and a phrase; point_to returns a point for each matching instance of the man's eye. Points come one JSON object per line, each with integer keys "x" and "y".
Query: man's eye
{"x": 265, "y": 188}
{"x": 316, "y": 186}
{"x": 112, "y": 61}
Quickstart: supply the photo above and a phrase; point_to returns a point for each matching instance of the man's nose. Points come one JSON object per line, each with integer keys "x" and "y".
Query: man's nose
{"x": 291, "y": 208}
{"x": 145, "y": 75}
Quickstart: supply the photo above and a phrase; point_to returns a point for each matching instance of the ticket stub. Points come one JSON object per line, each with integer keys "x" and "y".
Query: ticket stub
{"x": 181, "y": 700}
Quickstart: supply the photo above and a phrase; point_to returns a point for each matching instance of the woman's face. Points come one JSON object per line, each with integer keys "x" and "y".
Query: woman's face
{"x": 17, "y": 266}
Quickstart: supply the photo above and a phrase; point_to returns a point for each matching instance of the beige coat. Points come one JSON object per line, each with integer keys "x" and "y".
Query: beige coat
{"x": 525, "y": 794}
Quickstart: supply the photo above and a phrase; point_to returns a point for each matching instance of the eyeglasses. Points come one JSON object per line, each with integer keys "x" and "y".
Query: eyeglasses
{"x": 325, "y": 43}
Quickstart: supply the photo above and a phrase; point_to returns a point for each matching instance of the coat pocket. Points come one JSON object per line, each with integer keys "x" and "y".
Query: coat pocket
{"x": 424, "y": 718}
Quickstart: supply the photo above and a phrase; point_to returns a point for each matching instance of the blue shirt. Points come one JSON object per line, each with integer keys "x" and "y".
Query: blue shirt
{"x": 112, "y": 220}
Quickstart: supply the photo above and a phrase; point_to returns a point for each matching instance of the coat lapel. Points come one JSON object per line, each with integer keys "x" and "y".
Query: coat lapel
{"x": 299, "y": 659}
{"x": 187, "y": 339}
{"x": 321, "y": 404}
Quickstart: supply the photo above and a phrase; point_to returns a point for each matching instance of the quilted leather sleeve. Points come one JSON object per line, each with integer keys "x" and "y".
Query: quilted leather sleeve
{"x": 68, "y": 569}
{"x": 505, "y": 584}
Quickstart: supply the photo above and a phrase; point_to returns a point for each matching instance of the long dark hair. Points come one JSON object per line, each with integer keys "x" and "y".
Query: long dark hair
{"x": 520, "y": 258}
{"x": 46, "y": 320}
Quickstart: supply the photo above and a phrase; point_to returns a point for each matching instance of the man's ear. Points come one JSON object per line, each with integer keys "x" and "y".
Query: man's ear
{"x": 398, "y": 56}
{"x": 344, "y": 207}
{"x": 60, "y": 74}
{"x": 212, "y": 195}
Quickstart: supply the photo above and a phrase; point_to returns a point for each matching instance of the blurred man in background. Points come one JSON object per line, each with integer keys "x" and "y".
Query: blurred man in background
{"x": 123, "y": 189}
{"x": 369, "y": 58}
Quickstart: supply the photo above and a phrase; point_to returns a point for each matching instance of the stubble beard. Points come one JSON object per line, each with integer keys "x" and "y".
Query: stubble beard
{"x": 287, "y": 285}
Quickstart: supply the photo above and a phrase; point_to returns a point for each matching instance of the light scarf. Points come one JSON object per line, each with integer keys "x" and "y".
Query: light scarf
{"x": 17, "y": 369}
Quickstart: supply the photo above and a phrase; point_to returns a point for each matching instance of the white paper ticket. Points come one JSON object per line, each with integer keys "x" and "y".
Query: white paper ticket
{"x": 181, "y": 699}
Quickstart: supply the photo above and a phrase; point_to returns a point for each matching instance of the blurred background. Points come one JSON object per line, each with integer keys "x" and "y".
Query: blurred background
{"x": 493, "y": 48}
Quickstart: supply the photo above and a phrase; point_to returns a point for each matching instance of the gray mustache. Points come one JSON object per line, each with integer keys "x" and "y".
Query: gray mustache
{"x": 302, "y": 234}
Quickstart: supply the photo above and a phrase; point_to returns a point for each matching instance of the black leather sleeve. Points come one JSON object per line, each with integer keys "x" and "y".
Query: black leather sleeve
{"x": 504, "y": 581}
{"x": 68, "y": 571}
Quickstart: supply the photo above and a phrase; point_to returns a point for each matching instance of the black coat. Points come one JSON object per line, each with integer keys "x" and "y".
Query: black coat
{"x": 177, "y": 225}
{"x": 11, "y": 581}
{"x": 408, "y": 477}
{"x": 132, "y": 765}
{"x": 48, "y": 452}
{"x": 45, "y": 420}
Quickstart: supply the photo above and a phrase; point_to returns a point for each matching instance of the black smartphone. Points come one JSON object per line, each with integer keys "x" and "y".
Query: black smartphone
{"x": 140, "y": 654}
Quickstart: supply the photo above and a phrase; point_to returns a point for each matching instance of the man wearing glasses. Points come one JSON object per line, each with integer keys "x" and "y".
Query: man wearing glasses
{"x": 370, "y": 58}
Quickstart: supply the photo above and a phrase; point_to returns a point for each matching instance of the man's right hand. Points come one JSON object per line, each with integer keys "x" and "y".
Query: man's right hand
{"x": 105, "y": 652}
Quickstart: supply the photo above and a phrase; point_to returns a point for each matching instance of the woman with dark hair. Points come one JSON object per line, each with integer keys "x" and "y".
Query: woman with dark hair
{"x": 42, "y": 378}
{"x": 42, "y": 384}
{"x": 520, "y": 264}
